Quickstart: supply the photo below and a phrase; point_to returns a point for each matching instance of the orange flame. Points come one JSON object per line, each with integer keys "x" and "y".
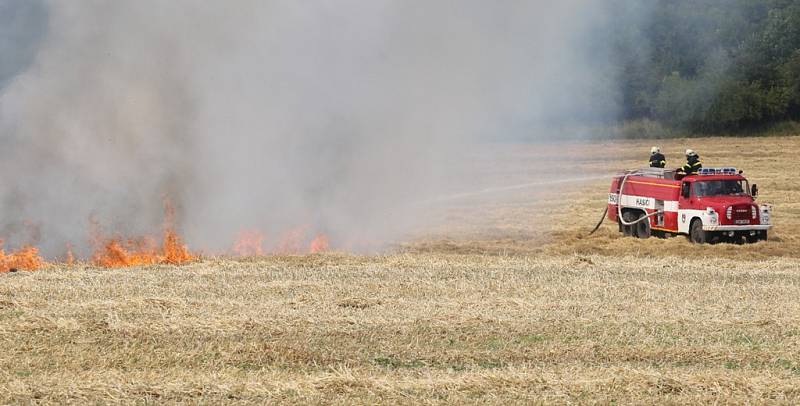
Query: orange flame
{"x": 70, "y": 257}
{"x": 27, "y": 258}
{"x": 175, "y": 251}
{"x": 319, "y": 244}
{"x": 250, "y": 243}
{"x": 292, "y": 241}
{"x": 114, "y": 253}
{"x": 295, "y": 241}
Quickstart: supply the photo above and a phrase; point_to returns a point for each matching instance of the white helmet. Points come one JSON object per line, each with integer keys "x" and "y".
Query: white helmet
{"x": 690, "y": 152}
{"x": 655, "y": 150}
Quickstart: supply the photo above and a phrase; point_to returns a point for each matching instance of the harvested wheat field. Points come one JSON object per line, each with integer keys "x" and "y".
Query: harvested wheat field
{"x": 505, "y": 299}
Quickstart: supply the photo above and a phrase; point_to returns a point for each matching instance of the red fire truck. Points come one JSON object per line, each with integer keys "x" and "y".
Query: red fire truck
{"x": 717, "y": 204}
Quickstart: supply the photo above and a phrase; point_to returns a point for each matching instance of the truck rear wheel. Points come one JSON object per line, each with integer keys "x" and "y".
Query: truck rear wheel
{"x": 642, "y": 228}
{"x": 629, "y": 217}
{"x": 696, "y": 233}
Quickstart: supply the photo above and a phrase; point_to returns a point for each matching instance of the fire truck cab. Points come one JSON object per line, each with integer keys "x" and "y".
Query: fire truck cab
{"x": 717, "y": 204}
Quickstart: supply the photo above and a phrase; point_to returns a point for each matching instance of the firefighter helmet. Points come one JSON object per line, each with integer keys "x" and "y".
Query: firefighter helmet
{"x": 690, "y": 152}
{"x": 655, "y": 150}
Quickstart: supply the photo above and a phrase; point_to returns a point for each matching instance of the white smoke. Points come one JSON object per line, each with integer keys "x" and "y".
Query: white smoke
{"x": 269, "y": 115}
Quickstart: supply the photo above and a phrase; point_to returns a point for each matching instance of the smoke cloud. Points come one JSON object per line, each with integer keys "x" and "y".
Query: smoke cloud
{"x": 270, "y": 115}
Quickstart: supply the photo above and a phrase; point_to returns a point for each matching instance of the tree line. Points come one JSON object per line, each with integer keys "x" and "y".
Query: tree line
{"x": 709, "y": 66}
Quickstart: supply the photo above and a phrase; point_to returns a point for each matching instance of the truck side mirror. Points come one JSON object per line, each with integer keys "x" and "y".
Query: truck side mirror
{"x": 754, "y": 190}
{"x": 685, "y": 189}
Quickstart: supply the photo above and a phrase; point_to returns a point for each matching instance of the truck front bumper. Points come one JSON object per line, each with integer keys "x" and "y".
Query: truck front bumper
{"x": 743, "y": 227}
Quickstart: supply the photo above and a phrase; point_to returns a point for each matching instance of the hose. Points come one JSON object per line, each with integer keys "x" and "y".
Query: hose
{"x": 601, "y": 221}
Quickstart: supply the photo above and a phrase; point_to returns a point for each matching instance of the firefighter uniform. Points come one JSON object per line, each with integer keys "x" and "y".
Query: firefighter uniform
{"x": 693, "y": 164}
{"x": 658, "y": 160}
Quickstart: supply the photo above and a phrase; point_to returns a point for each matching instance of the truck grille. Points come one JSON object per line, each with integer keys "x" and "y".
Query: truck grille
{"x": 742, "y": 212}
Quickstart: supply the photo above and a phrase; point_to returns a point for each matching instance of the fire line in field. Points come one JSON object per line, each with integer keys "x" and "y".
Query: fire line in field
{"x": 167, "y": 249}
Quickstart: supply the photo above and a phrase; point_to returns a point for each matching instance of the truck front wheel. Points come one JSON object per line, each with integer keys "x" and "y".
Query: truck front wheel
{"x": 696, "y": 233}
{"x": 759, "y": 236}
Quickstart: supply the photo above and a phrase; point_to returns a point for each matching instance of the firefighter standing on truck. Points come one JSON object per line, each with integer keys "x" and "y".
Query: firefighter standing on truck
{"x": 693, "y": 164}
{"x": 657, "y": 159}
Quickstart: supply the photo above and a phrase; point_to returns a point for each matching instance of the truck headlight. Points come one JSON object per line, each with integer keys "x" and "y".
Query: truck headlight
{"x": 766, "y": 211}
{"x": 712, "y": 215}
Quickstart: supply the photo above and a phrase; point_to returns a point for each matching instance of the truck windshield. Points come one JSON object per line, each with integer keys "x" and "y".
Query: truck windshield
{"x": 720, "y": 188}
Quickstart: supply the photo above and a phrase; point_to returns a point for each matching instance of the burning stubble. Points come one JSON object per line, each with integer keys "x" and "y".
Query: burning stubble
{"x": 273, "y": 126}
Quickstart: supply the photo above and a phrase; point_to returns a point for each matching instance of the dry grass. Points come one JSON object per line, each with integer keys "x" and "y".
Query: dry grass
{"x": 566, "y": 318}
{"x": 406, "y": 328}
